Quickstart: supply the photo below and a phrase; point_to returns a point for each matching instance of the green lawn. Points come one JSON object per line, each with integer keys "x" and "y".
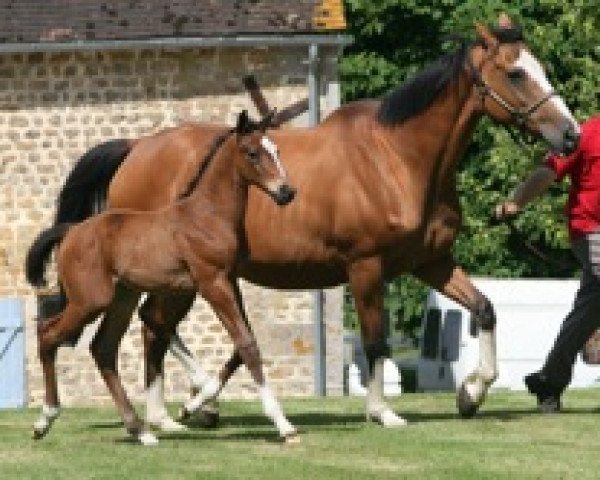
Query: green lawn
{"x": 507, "y": 440}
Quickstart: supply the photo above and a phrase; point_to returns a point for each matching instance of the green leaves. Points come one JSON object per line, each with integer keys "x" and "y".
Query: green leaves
{"x": 396, "y": 38}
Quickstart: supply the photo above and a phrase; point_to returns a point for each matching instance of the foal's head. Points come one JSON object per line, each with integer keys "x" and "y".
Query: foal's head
{"x": 258, "y": 159}
{"x": 514, "y": 88}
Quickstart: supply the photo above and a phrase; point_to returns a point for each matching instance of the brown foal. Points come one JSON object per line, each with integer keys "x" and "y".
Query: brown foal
{"x": 189, "y": 246}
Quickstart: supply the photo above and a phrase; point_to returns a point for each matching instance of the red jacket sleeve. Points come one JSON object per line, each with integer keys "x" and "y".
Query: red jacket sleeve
{"x": 561, "y": 165}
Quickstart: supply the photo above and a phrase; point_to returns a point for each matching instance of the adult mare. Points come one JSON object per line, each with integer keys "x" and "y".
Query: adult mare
{"x": 376, "y": 198}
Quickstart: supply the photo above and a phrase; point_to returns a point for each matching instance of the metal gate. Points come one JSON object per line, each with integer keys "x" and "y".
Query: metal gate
{"x": 12, "y": 353}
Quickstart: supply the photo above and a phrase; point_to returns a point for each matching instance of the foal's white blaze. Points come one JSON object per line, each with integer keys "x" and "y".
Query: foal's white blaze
{"x": 532, "y": 67}
{"x": 273, "y": 152}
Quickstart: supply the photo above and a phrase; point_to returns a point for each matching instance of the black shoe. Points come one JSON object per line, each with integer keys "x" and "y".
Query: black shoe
{"x": 548, "y": 396}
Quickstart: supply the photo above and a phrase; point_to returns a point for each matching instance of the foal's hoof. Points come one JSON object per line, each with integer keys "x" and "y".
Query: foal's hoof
{"x": 147, "y": 439}
{"x": 39, "y": 434}
{"x": 467, "y": 407}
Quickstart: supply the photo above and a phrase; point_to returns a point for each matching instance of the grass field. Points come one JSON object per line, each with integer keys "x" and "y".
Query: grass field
{"x": 507, "y": 440}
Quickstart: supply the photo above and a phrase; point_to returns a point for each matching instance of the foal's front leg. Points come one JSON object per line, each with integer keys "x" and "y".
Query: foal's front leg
{"x": 220, "y": 294}
{"x": 445, "y": 276}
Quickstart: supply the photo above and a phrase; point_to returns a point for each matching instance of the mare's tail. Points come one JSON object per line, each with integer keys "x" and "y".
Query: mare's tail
{"x": 39, "y": 253}
{"x": 84, "y": 192}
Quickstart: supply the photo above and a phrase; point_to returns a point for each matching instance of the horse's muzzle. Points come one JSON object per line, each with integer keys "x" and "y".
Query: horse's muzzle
{"x": 570, "y": 140}
{"x": 284, "y": 195}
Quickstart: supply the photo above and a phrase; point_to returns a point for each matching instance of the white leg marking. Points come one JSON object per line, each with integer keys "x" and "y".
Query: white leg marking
{"x": 273, "y": 411}
{"x": 209, "y": 391}
{"x": 377, "y": 408}
{"x": 45, "y": 420}
{"x": 156, "y": 412}
{"x": 195, "y": 372}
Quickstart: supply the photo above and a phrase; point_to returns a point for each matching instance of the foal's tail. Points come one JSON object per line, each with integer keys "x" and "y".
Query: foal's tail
{"x": 84, "y": 192}
{"x": 39, "y": 253}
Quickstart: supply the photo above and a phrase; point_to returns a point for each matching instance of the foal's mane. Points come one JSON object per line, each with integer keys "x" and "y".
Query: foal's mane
{"x": 417, "y": 93}
{"x": 249, "y": 126}
{"x": 214, "y": 148}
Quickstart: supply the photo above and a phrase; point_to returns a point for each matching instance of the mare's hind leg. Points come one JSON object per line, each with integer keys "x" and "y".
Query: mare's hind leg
{"x": 160, "y": 316}
{"x": 208, "y": 411}
{"x": 220, "y": 294}
{"x": 104, "y": 349}
{"x": 451, "y": 280}
{"x": 367, "y": 286}
{"x": 51, "y": 333}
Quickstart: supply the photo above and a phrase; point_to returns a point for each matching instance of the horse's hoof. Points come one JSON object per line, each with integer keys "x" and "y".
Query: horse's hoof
{"x": 147, "y": 439}
{"x": 183, "y": 415}
{"x": 291, "y": 439}
{"x": 166, "y": 424}
{"x": 208, "y": 419}
{"x": 387, "y": 419}
{"x": 39, "y": 434}
{"x": 201, "y": 418}
{"x": 467, "y": 408}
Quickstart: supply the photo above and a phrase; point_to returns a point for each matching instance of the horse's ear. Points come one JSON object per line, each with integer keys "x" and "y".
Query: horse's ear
{"x": 267, "y": 121}
{"x": 489, "y": 40}
{"x": 504, "y": 21}
{"x": 243, "y": 123}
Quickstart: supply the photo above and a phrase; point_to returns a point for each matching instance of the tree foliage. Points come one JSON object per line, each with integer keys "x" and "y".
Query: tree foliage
{"x": 393, "y": 39}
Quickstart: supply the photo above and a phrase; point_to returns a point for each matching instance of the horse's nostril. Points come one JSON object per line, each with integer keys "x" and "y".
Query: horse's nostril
{"x": 285, "y": 194}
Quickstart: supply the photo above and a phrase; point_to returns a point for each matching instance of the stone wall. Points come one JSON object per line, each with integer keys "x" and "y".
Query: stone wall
{"x": 55, "y": 106}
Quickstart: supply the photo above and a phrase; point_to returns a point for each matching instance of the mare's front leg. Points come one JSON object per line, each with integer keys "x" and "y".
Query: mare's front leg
{"x": 219, "y": 292}
{"x": 51, "y": 333}
{"x": 367, "y": 286}
{"x": 445, "y": 276}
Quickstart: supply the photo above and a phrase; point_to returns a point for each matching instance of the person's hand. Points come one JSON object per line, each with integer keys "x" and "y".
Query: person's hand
{"x": 505, "y": 210}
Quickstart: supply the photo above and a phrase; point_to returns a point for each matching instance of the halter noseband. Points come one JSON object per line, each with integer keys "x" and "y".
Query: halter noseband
{"x": 519, "y": 115}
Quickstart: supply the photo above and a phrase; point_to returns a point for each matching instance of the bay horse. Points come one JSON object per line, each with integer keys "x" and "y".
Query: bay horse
{"x": 377, "y": 183}
{"x": 189, "y": 246}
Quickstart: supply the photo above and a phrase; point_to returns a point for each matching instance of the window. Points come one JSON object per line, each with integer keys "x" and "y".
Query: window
{"x": 451, "y": 334}
{"x": 431, "y": 334}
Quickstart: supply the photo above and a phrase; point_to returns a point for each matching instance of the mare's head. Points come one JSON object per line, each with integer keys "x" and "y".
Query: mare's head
{"x": 258, "y": 159}
{"x": 513, "y": 87}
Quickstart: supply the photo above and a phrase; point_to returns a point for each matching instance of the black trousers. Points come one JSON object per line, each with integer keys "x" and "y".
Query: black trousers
{"x": 584, "y": 317}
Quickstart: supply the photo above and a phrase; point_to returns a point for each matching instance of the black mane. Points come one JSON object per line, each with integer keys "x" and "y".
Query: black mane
{"x": 417, "y": 93}
{"x": 217, "y": 143}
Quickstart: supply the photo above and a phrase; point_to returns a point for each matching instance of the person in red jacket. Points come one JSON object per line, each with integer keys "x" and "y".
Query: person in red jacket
{"x": 583, "y": 212}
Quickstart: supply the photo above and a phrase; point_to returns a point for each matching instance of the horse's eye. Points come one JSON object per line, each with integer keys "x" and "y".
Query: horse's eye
{"x": 516, "y": 74}
{"x": 253, "y": 156}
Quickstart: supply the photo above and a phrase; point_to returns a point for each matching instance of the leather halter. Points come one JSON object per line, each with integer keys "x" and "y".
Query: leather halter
{"x": 519, "y": 115}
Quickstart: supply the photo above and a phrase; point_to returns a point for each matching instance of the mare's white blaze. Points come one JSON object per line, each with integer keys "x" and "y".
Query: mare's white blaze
{"x": 273, "y": 151}
{"x": 530, "y": 64}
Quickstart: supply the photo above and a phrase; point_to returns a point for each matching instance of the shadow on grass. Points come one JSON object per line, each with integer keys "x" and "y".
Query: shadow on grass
{"x": 310, "y": 422}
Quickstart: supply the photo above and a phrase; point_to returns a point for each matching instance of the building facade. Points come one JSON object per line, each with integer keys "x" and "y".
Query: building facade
{"x": 73, "y": 75}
